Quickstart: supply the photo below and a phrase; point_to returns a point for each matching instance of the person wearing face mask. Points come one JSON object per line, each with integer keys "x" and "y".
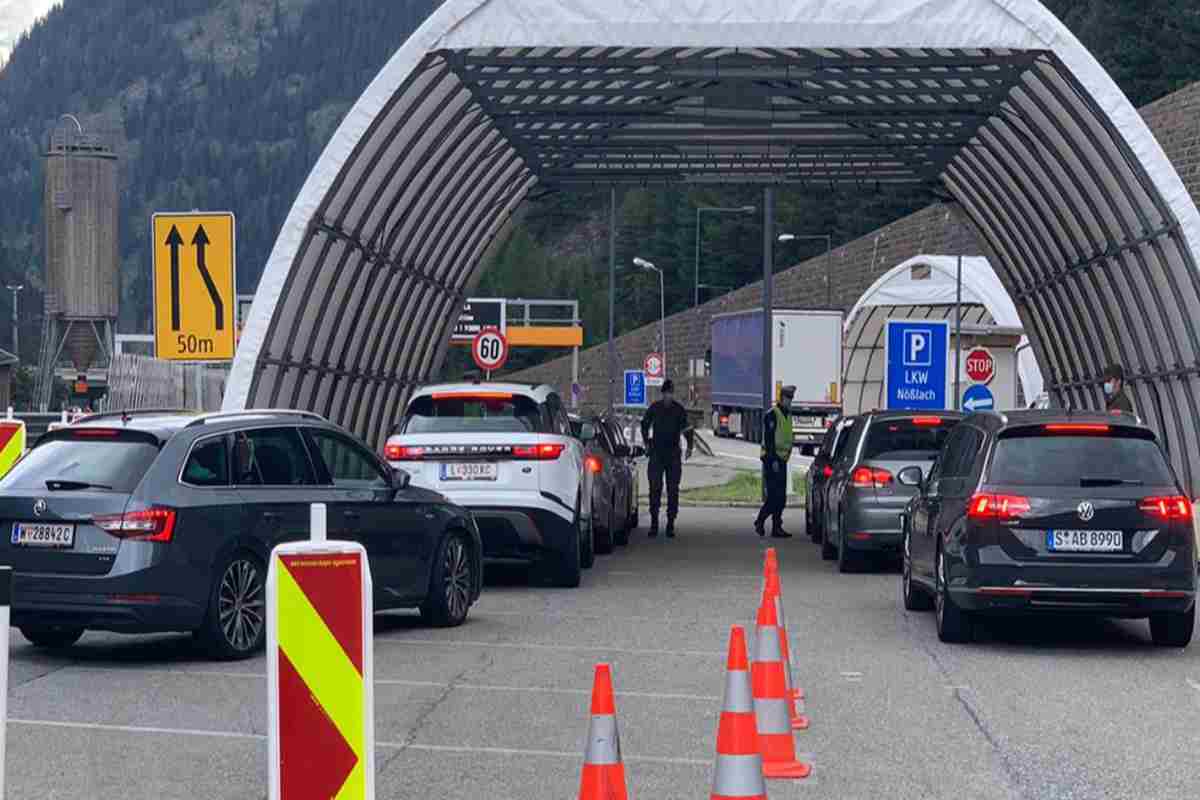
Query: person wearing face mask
{"x": 1116, "y": 399}
{"x": 662, "y": 425}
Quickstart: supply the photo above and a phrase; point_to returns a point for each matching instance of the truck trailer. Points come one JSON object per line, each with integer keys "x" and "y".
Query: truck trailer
{"x": 806, "y": 353}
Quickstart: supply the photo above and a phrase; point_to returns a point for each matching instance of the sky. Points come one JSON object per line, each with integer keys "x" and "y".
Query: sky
{"x": 15, "y": 17}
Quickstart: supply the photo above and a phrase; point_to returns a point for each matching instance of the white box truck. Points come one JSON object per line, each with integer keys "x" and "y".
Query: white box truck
{"x": 806, "y": 353}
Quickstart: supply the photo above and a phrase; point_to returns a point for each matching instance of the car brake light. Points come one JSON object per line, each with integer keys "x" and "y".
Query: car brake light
{"x": 472, "y": 396}
{"x": 828, "y": 471}
{"x": 1167, "y": 508}
{"x": 867, "y": 478}
{"x": 724, "y": 420}
{"x": 997, "y": 506}
{"x": 594, "y": 465}
{"x": 399, "y": 452}
{"x": 927, "y": 421}
{"x": 539, "y": 452}
{"x": 1077, "y": 427}
{"x": 95, "y": 433}
{"x": 148, "y": 525}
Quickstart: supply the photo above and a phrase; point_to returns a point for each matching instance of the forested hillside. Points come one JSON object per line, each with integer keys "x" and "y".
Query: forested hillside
{"x": 225, "y": 104}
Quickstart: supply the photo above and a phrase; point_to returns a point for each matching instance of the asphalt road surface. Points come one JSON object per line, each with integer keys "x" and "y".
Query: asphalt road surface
{"x": 498, "y": 708}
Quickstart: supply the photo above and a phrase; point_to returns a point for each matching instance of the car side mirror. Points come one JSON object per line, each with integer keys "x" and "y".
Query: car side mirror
{"x": 587, "y": 432}
{"x": 400, "y": 479}
{"x": 911, "y": 476}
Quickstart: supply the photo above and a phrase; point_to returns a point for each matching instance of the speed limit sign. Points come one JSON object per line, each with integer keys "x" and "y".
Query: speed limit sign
{"x": 489, "y": 349}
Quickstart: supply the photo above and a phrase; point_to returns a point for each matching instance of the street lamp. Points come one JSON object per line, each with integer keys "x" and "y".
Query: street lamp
{"x": 15, "y": 289}
{"x": 828, "y": 239}
{"x": 714, "y": 210}
{"x": 662, "y": 297}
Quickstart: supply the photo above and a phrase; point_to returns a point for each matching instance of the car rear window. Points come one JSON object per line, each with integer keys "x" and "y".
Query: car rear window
{"x": 1062, "y": 460}
{"x": 118, "y": 464}
{"x": 474, "y": 414}
{"x": 901, "y": 439}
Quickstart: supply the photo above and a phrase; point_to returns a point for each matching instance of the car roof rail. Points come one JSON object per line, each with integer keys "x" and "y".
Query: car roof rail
{"x": 219, "y": 416}
{"x": 130, "y": 413}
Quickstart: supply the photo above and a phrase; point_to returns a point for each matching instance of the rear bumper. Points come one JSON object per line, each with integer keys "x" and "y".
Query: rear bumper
{"x": 522, "y": 534}
{"x": 1114, "y": 602}
{"x": 129, "y": 604}
{"x": 871, "y": 527}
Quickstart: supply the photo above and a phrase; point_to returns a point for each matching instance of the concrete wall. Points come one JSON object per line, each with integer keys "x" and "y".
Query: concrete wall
{"x": 1175, "y": 120}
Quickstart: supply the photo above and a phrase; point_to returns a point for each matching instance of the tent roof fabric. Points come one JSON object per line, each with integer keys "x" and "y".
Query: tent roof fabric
{"x": 1085, "y": 219}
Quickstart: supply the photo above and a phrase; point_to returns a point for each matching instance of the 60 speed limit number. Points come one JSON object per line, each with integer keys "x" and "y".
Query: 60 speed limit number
{"x": 489, "y": 349}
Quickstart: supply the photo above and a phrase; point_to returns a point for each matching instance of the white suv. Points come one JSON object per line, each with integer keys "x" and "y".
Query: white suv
{"x": 504, "y": 451}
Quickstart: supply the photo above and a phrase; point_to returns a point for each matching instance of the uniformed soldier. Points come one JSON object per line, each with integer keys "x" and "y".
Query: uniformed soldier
{"x": 1115, "y": 397}
{"x": 662, "y": 425}
{"x": 776, "y": 450}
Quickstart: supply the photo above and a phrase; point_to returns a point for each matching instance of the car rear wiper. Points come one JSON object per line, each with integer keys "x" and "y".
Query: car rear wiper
{"x": 1092, "y": 482}
{"x": 58, "y": 485}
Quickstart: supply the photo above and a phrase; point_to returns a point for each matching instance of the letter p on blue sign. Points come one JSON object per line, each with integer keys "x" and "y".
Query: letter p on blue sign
{"x": 918, "y": 349}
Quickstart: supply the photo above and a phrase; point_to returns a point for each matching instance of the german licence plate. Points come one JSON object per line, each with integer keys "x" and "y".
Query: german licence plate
{"x": 1085, "y": 541}
{"x": 41, "y": 534}
{"x": 470, "y": 472}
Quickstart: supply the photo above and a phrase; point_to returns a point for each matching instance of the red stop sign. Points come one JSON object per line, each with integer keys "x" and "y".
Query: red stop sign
{"x": 981, "y": 366}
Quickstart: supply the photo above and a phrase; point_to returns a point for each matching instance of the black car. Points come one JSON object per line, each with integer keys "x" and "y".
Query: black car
{"x": 1051, "y": 511}
{"x": 821, "y": 470}
{"x": 154, "y": 522}
{"x": 613, "y": 475}
{"x": 864, "y": 502}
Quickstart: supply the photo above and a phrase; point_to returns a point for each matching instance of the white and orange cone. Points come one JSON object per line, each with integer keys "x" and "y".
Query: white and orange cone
{"x": 603, "y": 773}
{"x": 772, "y": 595}
{"x": 772, "y": 705}
{"x": 771, "y": 570}
{"x": 738, "y": 773}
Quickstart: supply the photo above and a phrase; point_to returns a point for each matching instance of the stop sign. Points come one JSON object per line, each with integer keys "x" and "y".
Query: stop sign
{"x": 981, "y": 366}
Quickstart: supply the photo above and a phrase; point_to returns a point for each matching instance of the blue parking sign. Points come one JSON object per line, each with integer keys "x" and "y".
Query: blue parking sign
{"x": 917, "y": 362}
{"x": 635, "y": 388}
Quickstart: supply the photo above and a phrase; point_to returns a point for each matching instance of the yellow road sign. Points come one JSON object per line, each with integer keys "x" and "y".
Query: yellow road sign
{"x": 195, "y": 286}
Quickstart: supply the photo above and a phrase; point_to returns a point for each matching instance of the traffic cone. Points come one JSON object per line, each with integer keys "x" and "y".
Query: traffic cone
{"x": 738, "y": 772}
{"x": 771, "y": 701}
{"x": 771, "y": 571}
{"x": 773, "y": 590}
{"x": 603, "y": 773}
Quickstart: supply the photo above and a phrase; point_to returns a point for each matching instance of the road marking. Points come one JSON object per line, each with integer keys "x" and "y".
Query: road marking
{"x": 741, "y": 576}
{"x": 427, "y": 748}
{"x": 1194, "y": 684}
{"x": 852, "y": 676}
{"x": 552, "y": 647}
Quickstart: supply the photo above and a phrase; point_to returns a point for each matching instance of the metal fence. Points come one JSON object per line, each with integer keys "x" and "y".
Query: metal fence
{"x": 142, "y": 382}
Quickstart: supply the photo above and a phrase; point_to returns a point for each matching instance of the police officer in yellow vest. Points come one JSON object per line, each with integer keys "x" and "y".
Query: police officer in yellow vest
{"x": 776, "y": 450}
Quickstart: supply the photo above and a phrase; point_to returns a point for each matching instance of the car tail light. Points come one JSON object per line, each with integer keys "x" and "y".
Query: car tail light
{"x": 725, "y": 420}
{"x": 539, "y": 452}
{"x": 867, "y": 478}
{"x": 400, "y": 452}
{"x": 828, "y": 471}
{"x": 593, "y": 464}
{"x": 148, "y": 525}
{"x": 1168, "y": 508}
{"x": 1077, "y": 427}
{"x": 472, "y": 395}
{"x": 95, "y": 433}
{"x": 927, "y": 422}
{"x": 997, "y": 506}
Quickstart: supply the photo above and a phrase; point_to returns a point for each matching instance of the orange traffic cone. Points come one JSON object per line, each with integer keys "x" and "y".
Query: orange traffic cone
{"x": 771, "y": 583}
{"x": 603, "y": 772}
{"x": 771, "y": 701}
{"x": 773, "y": 591}
{"x": 738, "y": 773}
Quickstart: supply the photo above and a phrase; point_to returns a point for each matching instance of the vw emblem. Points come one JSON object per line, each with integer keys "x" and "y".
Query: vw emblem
{"x": 39, "y": 507}
{"x": 1086, "y": 511}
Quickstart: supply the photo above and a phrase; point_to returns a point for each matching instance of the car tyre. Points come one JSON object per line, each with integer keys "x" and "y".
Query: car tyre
{"x": 587, "y": 547}
{"x": 954, "y": 625}
{"x": 566, "y": 568}
{"x": 1173, "y": 628}
{"x": 451, "y": 584}
{"x": 828, "y": 551}
{"x": 847, "y": 560}
{"x": 235, "y": 625}
{"x": 915, "y": 598}
{"x": 52, "y": 638}
{"x": 606, "y": 535}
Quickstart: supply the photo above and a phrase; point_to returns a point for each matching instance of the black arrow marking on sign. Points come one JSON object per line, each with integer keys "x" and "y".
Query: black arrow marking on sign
{"x": 174, "y": 241}
{"x": 200, "y": 240}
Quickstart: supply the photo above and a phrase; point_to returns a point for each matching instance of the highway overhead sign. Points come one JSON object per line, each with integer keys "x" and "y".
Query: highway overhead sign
{"x": 978, "y": 398}
{"x": 981, "y": 365}
{"x": 635, "y": 388}
{"x": 917, "y": 355}
{"x": 195, "y": 286}
{"x": 489, "y": 349}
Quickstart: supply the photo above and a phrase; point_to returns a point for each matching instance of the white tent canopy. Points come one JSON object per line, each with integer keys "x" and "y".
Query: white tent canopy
{"x": 1084, "y": 218}
{"x": 925, "y": 287}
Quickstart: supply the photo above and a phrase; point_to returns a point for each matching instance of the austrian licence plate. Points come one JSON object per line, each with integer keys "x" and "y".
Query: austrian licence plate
{"x": 470, "y": 472}
{"x": 1085, "y": 541}
{"x": 41, "y": 534}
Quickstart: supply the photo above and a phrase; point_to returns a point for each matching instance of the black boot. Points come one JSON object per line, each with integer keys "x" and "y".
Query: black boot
{"x": 777, "y": 531}
{"x": 758, "y": 527}
{"x": 671, "y": 528}
{"x": 653, "y": 526}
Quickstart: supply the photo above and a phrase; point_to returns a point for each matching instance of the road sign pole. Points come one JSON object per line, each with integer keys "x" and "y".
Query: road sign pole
{"x": 612, "y": 298}
{"x": 768, "y": 387}
{"x": 958, "y": 334}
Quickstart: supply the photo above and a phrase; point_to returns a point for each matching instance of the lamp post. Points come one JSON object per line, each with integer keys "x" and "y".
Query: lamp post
{"x": 712, "y": 210}
{"x": 828, "y": 239}
{"x": 15, "y": 289}
{"x": 662, "y": 299}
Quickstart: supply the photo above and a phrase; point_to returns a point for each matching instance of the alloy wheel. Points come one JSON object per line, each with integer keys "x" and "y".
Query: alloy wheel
{"x": 242, "y": 605}
{"x": 458, "y": 578}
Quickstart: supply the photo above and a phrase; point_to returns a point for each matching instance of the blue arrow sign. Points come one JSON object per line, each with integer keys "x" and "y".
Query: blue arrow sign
{"x": 978, "y": 398}
{"x": 635, "y": 388}
{"x": 917, "y": 357}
